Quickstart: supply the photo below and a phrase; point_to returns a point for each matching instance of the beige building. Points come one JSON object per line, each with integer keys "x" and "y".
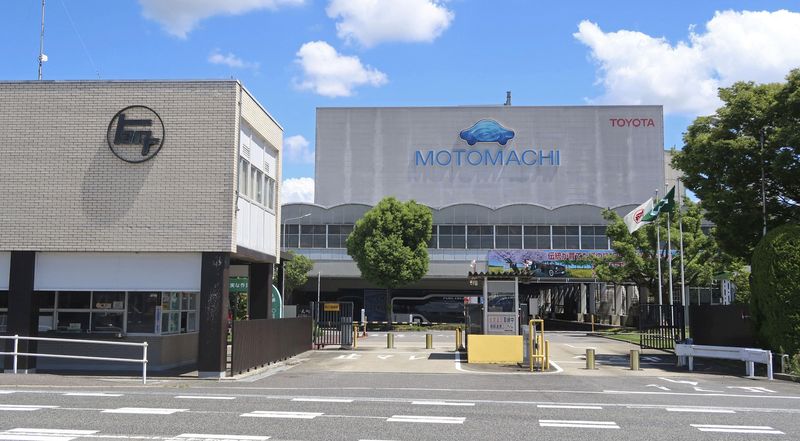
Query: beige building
{"x": 123, "y": 205}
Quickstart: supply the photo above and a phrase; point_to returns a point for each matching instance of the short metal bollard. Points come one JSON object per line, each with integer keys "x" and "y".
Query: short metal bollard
{"x": 590, "y": 358}
{"x": 389, "y": 340}
{"x": 546, "y": 355}
{"x": 428, "y": 341}
{"x": 635, "y": 360}
{"x": 458, "y": 339}
{"x": 355, "y": 335}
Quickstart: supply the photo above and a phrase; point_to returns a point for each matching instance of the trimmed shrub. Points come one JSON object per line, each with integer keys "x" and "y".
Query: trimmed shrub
{"x": 775, "y": 297}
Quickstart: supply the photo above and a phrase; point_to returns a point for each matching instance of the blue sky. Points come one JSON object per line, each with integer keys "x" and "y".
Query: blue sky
{"x": 296, "y": 55}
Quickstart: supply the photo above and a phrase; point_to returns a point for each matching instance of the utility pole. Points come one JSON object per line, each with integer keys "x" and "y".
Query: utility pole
{"x": 42, "y": 56}
{"x": 763, "y": 184}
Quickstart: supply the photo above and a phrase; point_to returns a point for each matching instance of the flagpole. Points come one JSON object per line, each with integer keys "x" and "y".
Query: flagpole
{"x": 684, "y": 299}
{"x": 658, "y": 255}
{"x": 669, "y": 260}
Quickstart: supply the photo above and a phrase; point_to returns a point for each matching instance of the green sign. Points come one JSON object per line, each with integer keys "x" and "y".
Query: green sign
{"x": 238, "y": 285}
{"x": 277, "y": 303}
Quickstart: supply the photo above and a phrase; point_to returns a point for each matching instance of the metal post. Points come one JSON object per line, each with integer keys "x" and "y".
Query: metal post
{"x": 592, "y": 322}
{"x": 319, "y": 278}
{"x": 144, "y": 363}
{"x": 42, "y": 56}
{"x": 763, "y": 184}
{"x": 16, "y": 350}
{"x": 428, "y": 341}
{"x": 389, "y": 340}
{"x": 635, "y": 359}
{"x": 355, "y": 335}
{"x": 547, "y": 355}
{"x": 590, "y": 358}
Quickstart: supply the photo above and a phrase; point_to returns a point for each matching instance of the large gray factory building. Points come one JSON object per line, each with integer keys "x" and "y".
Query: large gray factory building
{"x": 504, "y": 183}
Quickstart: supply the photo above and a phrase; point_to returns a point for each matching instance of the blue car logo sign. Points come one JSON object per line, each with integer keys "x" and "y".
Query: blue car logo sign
{"x": 487, "y": 130}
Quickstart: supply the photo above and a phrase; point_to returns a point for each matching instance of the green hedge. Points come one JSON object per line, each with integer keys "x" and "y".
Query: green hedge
{"x": 775, "y": 297}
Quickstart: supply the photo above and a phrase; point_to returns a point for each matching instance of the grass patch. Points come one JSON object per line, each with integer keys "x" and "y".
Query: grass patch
{"x": 622, "y": 334}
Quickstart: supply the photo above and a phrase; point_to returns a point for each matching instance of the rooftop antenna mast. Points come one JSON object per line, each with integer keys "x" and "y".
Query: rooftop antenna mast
{"x": 508, "y": 98}
{"x": 42, "y": 56}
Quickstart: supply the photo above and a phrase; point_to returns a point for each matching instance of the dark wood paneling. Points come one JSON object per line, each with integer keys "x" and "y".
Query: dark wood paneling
{"x": 260, "y": 342}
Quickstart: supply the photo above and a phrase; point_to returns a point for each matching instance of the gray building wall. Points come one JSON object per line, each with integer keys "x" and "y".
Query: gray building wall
{"x": 64, "y": 190}
{"x": 606, "y": 158}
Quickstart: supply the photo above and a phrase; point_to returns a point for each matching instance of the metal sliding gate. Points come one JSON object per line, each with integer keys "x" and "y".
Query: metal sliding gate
{"x": 661, "y": 326}
{"x": 333, "y": 323}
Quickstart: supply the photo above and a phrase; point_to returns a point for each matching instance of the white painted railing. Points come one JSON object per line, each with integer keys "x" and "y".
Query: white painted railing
{"x": 16, "y": 353}
{"x": 748, "y": 355}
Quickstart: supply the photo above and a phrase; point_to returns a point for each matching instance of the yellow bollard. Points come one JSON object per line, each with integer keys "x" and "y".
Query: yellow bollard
{"x": 635, "y": 360}
{"x": 389, "y": 340}
{"x": 355, "y": 335}
{"x": 428, "y": 341}
{"x": 590, "y": 358}
{"x": 547, "y": 355}
{"x": 592, "y": 322}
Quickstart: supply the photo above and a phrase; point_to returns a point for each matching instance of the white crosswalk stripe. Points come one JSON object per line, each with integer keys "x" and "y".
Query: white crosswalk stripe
{"x": 24, "y": 407}
{"x": 277, "y": 414}
{"x": 203, "y": 397}
{"x": 567, "y": 406}
{"x": 441, "y": 403}
{"x": 90, "y": 394}
{"x": 323, "y": 400}
{"x": 425, "y": 419}
{"x": 27, "y": 434}
{"x": 698, "y": 410}
{"x": 736, "y": 429}
{"x": 144, "y": 410}
{"x": 579, "y": 424}
{"x": 210, "y": 437}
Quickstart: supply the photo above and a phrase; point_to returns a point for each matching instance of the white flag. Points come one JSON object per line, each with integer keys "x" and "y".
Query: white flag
{"x": 640, "y": 216}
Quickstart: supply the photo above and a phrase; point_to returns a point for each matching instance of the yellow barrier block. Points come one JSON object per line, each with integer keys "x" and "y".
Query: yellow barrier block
{"x": 494, "y": 349}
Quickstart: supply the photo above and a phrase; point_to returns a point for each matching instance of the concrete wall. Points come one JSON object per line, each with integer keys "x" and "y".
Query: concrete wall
{"x": 609, "y": 155}
{"x": 64, "y": 189}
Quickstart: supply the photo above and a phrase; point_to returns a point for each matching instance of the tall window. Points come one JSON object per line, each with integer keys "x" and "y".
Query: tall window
{"x": 291, "y": 236}
{"x": 452, "y": 236}
{"x": 537, "y": 237}
{"x": 3, "y": 311}
{"x": 566, "y": 237}
{"x": 508, "y": 236}
{"x": 312, "y": 236}
{"x": 244, "y": 174}
{"x": 337, "y": 235}
{"x": 480, "y": 236}
{"x": 594, "y": 238}
{"x": 270, "y": 202}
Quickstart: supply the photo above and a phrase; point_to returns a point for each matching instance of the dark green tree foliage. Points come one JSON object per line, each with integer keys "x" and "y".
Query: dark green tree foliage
{"x": 775, "y": 296}
{"x": 636, "y": 253}
{"x": 722, "y": 157}
{"x": 390, "y": 244}
{"x": 295, "y": 273}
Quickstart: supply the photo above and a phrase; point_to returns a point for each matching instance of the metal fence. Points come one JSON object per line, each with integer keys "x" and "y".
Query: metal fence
{"x": 15, "y": 353}
{"x": 260, "y": 342}
{"x": 333, "y": 323}
{"x": 661, "y": 326}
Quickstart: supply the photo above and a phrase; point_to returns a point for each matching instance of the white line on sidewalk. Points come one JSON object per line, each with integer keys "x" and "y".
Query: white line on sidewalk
{"x": 210, "y": 437}
{"x": 579, "y": 424}
{"x": 425, "y": 419}
{"x": 6, "y": 392}
{"x": 90, "y": 394}
{"x": 144, "y": 410}
{"x": 564, "y": 406}
{"x": 24, "y": 407}
{"x": 441, "y": 403}
{"x": 26, "y": 434}
{"x": 204, "y": 397}
{"x": 698, "y": 410}
{"x": 277, "y": 414}
{"x": 323, "y": 400}
{"x": 736, "y": 429}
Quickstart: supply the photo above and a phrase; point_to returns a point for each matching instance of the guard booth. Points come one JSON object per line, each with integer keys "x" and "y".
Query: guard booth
{"x": 333, "y": 324}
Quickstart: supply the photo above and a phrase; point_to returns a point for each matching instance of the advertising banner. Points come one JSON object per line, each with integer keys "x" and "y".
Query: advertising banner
{"x": 545, "y": 263}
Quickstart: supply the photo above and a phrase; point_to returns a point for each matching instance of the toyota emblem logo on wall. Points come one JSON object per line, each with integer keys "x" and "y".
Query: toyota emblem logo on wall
{"x": 135, "y": 134}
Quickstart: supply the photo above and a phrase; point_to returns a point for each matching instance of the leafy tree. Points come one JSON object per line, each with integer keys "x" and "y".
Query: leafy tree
{"x": 635, "y": 259}
{"x": 390, "y": 244}
{"x": 722, "y": 159}
{"x": 295, "y": 273}
{"x": 775, "y": 296}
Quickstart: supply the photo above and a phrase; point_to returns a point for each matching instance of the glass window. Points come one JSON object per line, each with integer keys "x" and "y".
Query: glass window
{"x": 270, "y": 193}
{"x": 480, "y": 237}
{"x": 73, "y": 321}
{"x": 291, "y": 234}
{"x": 259, "y": 181}
{"x": 244, "y": 167}
{"x": 566, "y": 237}
{"x": 46, "y": 299}
{"x": 508, "y": 236}
{"x": 108, "y": 300}
{"x": 178, "y": 308}
{"x": 142, "y": 311}
{"x": 594, "y": 237}
{"x": 74, "y": 300}
{"x": 337, "y": 235}
{"x": 312, "y": 236}
{"x": 46, "y": 321}
{"x": 537, "y": 237}
{"x": 452, "y": 236}
{"x": 3, "y": 311}
{"x": 3, "y": 299}
{"x": 107, "y": 322}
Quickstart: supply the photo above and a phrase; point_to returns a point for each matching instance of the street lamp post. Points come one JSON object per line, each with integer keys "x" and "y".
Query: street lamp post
{"x": 763, "y": 184}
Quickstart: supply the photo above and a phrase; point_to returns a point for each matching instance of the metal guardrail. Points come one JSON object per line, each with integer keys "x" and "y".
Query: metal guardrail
{"x": 748, "y": 355}
{"x": 16, "y": 353}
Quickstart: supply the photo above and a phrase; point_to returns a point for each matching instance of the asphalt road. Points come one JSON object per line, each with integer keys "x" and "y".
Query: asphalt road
{"x": 351, "y": 395}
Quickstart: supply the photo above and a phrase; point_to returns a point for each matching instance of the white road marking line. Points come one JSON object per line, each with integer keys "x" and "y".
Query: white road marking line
{"x": 753, "y": 389}
{"x": 348, "y": 357}
{"x": 736, "y": 429}
{"x": 698, "y": 410}
{"x": 27, "y": 434}
{"x": 560, "y": 406}
{"x": 91, "y": 394}
{"x": 210, "y": 437}
{"x": 324, "y": 400}
{"x": 425, "y": 419}
{"x": 441, "y": 403}
{"x": 6, "y": 392}
{"x": 384, "y": 357}
{"x": 24, "y": 407}
{"x": 692, "y": 383}
{"x": 414, "y": 357}
{"x": 203, "y": 397}
{"x": 144, "y": 410}
{"x": 277, "y": 414}
{"x": 657, "y": 386}
{"x": 579, "y": 424}
{"x": 558, "y": 369}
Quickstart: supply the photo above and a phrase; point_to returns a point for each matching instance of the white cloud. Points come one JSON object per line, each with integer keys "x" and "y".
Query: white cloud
{"x": 635, "y": 68}
{"x": 179, "y": 17}
{"x": 297, "y": 190}
{"x": 231, "y": 61}
{"x": 297, "y": 149}
{"x": 371, "y": 22}
{"x": 331, "y": 74}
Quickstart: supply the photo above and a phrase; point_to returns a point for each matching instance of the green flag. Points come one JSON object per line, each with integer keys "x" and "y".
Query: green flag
{"x": 666, "y": 204}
